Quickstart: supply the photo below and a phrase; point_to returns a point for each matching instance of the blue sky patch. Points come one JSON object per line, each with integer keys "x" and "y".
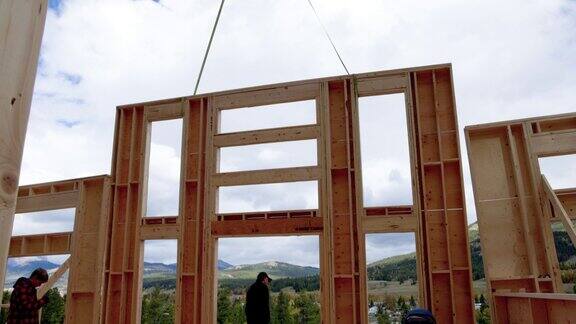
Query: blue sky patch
{"x": 72, "y": 78}
{"x": 55, "y": 5}
{"x": 68, "y": 123}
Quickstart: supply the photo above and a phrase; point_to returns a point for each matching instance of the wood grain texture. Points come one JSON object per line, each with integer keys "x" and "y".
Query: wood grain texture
{"x": 21, "y": 30}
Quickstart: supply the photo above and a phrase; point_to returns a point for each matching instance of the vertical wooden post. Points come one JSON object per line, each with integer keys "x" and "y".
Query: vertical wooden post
{"x": 193, "y": 220}
{"x": 21, "y": 29}
{"x": 342, "y": 227}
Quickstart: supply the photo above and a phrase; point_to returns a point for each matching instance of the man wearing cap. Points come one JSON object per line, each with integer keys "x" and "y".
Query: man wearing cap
{"x": 258, "y": 300}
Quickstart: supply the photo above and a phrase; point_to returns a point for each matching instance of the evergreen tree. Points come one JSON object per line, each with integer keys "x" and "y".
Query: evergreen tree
{"x": 158, "y": 307}
{"x": 412, "y": 302}
{"x": 237, "y": 314}
{"x": 4, "y": 312}
{"x": 53, "y": 312}
{"x": 308, "y": 309}
{"x": 382, "y": 316}
{"x": 402, "y": 306}
{"x": 483, "y": 316}
{"x": 282, "y": 314}
{"x": 483, "y": 304}
{"x": 224, "y": 305}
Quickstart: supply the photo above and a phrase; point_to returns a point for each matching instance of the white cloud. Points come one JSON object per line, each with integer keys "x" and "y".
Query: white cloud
{"x": 51, "y": 221}
{"x": 161, "y": 251}
{"x": 300, "y": 250}
{"x": 511, "y": 59}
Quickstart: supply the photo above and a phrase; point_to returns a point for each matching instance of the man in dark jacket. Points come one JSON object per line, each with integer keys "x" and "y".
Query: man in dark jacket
{"x": 24, "y": 304}
{"x": 258, "y": 300}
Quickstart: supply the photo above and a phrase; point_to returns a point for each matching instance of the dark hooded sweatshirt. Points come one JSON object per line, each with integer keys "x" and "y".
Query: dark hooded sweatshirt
{"x": 258, "y": 304}
{"x": 24, "y": 305}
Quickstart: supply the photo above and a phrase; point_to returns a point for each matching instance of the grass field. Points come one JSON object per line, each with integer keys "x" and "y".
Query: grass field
{"x": 406, "y": 289}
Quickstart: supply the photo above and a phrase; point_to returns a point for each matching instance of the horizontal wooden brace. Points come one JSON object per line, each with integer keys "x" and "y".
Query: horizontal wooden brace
{"x": 404, "y": 210}
{"x": 285, "y": 85}
{"x": 549, "y": 296}
{"x": 390, "y": 224}
{"x": 164, "y": 111}
{"x": 277, "y": 214}
{"x": 270, "y": 96}
{"x": 292, "y": 226}
{"x": 159, "y": 228}
{"x": 50, "y": 201}
{"x": 554, "y": 144}
{"x": 382, "y": 85}
{"x": 296, "y": 133}
{"x": 266, "y": 176}
{"x": 40, "y": 244}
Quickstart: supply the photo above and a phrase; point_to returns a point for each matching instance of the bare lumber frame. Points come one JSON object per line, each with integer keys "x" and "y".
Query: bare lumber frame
{"x": 86, "y": 244}
{"x": 438, "y": 217}
{"x": 40, "y": 244}
{"x": 515, "y": 203}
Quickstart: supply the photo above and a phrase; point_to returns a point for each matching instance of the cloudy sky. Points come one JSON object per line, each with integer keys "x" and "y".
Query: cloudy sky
{"x": 511, "y": 59}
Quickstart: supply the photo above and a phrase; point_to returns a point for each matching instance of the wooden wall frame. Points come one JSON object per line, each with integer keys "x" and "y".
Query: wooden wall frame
{"x": 86, "y": 244}
{"x": 438, "y": 216}
{"x": 515, "y": 204}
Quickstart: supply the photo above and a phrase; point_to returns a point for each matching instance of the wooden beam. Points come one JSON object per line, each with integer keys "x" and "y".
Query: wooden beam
{"x": 277, "y": 214}
{"x": 382, "y": 85}
{"x": 293, "y": 226}
{"x": 402, "y": 210}
{"x": 53, "y": 278}
{"x": 285, "y": 85}
{"x": 559, "y": 210}
{"x": 391, "y": 224}
{"x": 164, "y": 111}
{"x": 266, "y": 176}
{"x": 554, "y": 144}
{"x": 524, "y": 217}
{"x": 160, "y": 228}
{"x": 271, "y": 96}
{"x": 40, "y": 244}
{"x": 21, "y": 30}
{"x": 59, "y": 200}
{"x": 274, "y": 135}
{"x": 88, "y": 250}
